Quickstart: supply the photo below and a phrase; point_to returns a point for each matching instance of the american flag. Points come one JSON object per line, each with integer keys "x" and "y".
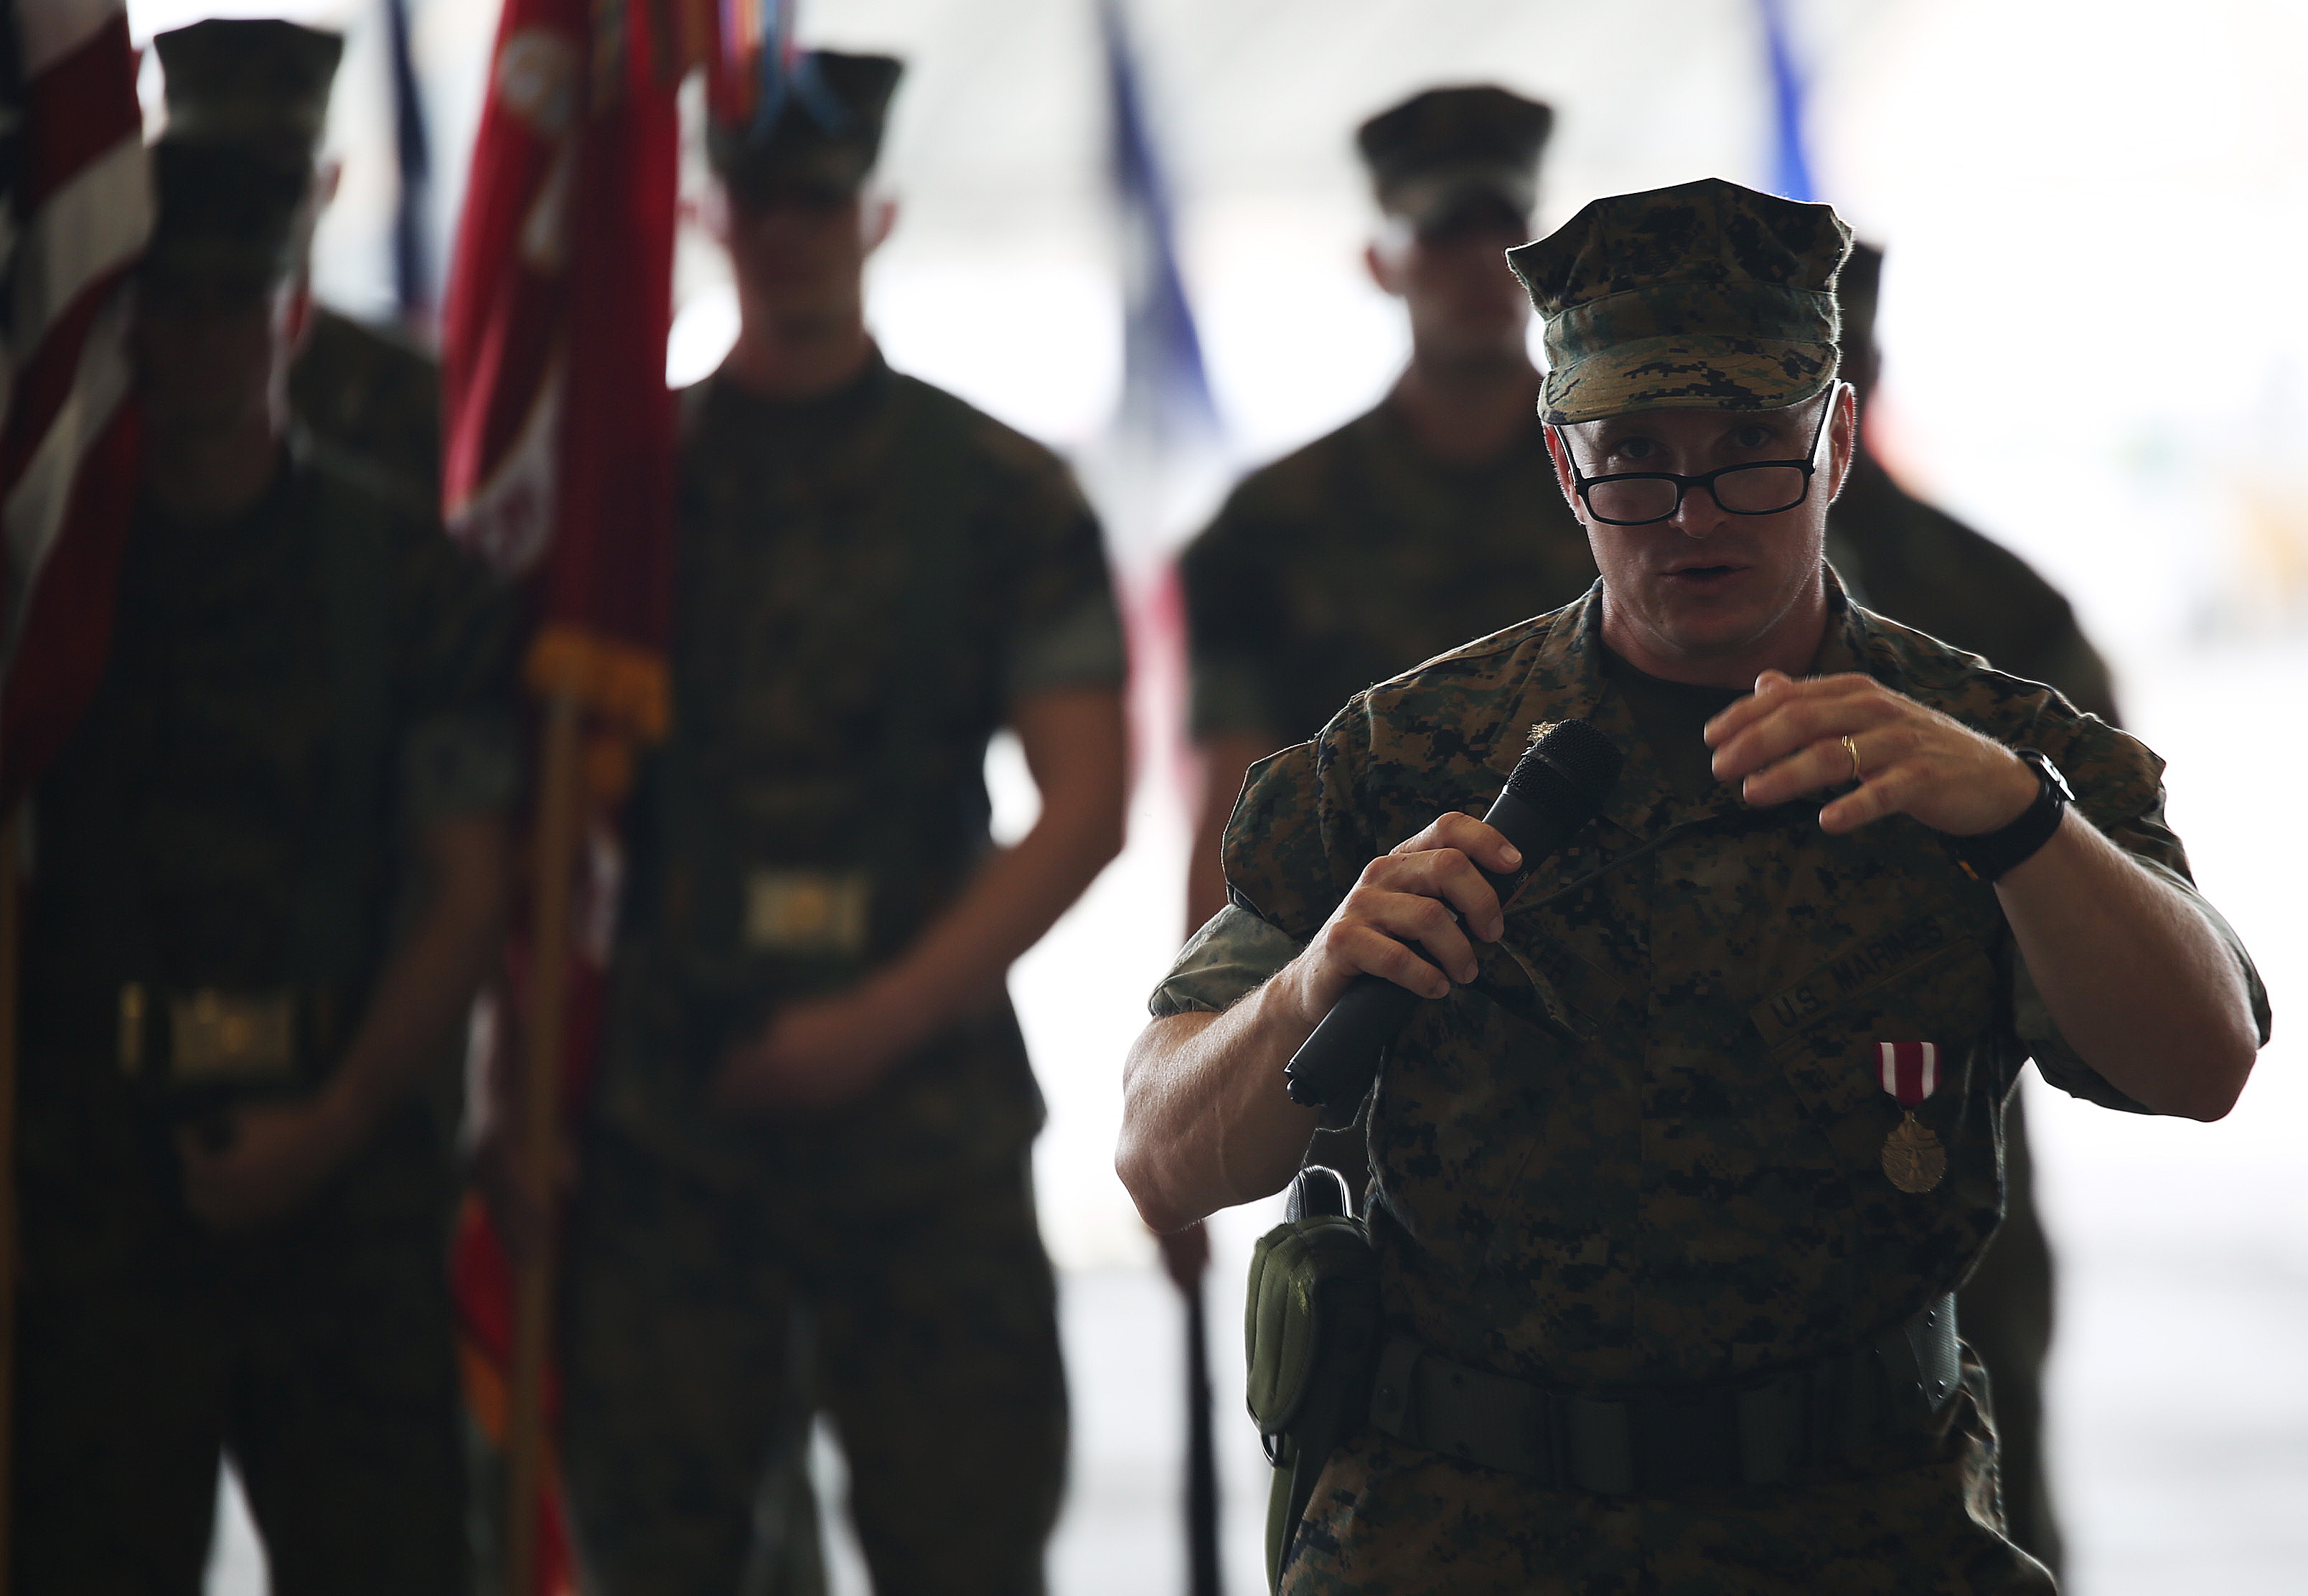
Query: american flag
{"x": 78, "y": 211}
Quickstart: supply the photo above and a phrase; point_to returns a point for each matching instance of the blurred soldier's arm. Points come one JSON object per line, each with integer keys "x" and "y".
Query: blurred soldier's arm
{"x": 1222, "y": 757}
{"x": 1234, "y": 617}
{"x": 277, "y": 1154}
{"x": 831, "y": 1050}
{"x": 1229, "y": 718}
{"x": 1064, "y": 666}
{"x": 457, "y": 776}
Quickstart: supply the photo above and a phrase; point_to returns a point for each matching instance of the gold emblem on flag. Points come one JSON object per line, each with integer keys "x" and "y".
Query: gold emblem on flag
{"x": 1913, "y": 1158}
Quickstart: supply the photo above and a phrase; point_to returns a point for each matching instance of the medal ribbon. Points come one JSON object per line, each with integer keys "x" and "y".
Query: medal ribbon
{"x": 1909, "y": 1071}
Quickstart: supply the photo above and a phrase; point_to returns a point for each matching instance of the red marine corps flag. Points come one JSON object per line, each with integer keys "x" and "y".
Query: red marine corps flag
{"x": 559, "y": 469}
{"x": 78, "y": 208}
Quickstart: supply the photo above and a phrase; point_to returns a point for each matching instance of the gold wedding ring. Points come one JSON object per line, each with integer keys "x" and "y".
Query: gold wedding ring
{"x": 1852, "y": 749}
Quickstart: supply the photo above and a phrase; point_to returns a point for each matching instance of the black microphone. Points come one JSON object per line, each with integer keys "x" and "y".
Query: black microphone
{"x": 1556, "y": 787}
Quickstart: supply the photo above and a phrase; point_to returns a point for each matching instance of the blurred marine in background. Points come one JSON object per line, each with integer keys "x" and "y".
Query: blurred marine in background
{"x": 816, "y": 1116}
{"x": 268, "y": 879}
{"x": 1430, "y": 520}
{"x": 1921, "y": 567}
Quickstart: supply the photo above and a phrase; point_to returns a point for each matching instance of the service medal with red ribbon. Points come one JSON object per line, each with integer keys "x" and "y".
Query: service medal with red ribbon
{"x": 1913, "y": 1158}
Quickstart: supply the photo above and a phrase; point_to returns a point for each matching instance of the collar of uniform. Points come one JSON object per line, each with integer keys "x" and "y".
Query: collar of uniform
{"x": 1565, "y": 681}
{"x": 1386, "y": 425}
{"x": 859, "y": 397}
{"x": 1845, "y": 647}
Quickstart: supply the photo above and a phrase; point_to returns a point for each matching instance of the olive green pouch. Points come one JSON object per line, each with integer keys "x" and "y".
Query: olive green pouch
{"x": 1311, "y": 1320}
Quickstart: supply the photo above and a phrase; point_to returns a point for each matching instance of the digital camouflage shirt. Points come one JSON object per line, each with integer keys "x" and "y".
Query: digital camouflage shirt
{"x": 1644, "y": 1146}
{"x": 1356, "y": 558}
{"x": 867, "y": 585}
{"x": 236, "y": 754}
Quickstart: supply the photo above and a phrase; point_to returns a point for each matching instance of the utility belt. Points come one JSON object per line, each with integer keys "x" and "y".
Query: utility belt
{"x": 1322, "y": 1369}
{"x": 746, "y": 938}
{"x": 1660, "y": 1440}
{"x": 740, "y": 917}
{"x": 196, "y": 1045}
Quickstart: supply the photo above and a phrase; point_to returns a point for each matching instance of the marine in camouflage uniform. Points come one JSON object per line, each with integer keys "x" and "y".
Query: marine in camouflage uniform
{"x": 1918, "y": 565}
{"x": 1659, "y": 1317}
{"x": 873, "y": 579}
{"x": 1429, "y": 520}
{"x": 265, "y": 882}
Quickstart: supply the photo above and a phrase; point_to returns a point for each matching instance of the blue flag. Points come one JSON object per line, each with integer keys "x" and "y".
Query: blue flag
{"x": 412, "y": 239}
{"x": 1165, "y": 392}
{"x": 1790, "y": 166}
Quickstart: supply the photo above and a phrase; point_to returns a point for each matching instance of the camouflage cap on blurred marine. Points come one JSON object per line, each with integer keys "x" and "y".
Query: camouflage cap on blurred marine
{"x": 233, "y": 170}
{"x": 1443, "y": 152}
{"x": 1705, "y": 296}
{"x": 820, "y": 129}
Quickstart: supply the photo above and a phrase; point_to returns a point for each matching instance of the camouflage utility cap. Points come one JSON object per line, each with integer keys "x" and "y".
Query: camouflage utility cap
{"x": 1706, "y": 296}
{"x": 1441, "y": 152}
{"x": 233, "y": 171}
{"x": 819, "y": 129}
{"x": 258, "y": 84}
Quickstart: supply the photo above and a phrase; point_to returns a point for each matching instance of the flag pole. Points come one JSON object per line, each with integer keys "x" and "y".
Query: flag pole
{"x": 559, "y": 813}
{"x": 11, "y": 954}
{"x": 1202, "y": 1450}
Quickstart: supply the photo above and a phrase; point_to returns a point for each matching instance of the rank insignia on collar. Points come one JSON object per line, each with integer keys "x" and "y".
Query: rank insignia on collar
{"x": 1913, "y": 1158}
{"x": 1539, "y": 731}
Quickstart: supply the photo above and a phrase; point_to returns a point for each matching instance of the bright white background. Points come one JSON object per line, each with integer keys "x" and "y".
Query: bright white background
{"x": 2095, "y": 350}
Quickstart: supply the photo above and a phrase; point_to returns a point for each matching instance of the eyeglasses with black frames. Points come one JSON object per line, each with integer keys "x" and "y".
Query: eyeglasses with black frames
{"x": 1763, "y": 488}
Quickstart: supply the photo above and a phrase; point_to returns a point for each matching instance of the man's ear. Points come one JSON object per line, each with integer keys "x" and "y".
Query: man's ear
{"x": 1842, "y": 438}
{"x": 1559, "y": 453}
{"x": 1383, "y": 259}
{"x": 877, "y": 218}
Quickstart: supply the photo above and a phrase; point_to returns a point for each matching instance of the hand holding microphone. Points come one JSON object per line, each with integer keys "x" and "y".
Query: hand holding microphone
{"x": 1556, "y": 789}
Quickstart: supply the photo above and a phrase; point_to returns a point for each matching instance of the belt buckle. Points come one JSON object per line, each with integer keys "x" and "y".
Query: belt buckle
{"x": 807, "y": 912}
{"x": 215, "y": 1036}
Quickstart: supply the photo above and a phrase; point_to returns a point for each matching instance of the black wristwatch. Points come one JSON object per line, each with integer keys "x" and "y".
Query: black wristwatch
{"x": 1990, "y": 855}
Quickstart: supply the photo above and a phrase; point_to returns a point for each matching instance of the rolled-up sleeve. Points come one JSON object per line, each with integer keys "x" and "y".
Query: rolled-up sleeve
{"x": 2119, "y": 788}
{"x": 1063, "y": 630}
{"x": 460, "y": 745}
{"x": 1233, "y": 955}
